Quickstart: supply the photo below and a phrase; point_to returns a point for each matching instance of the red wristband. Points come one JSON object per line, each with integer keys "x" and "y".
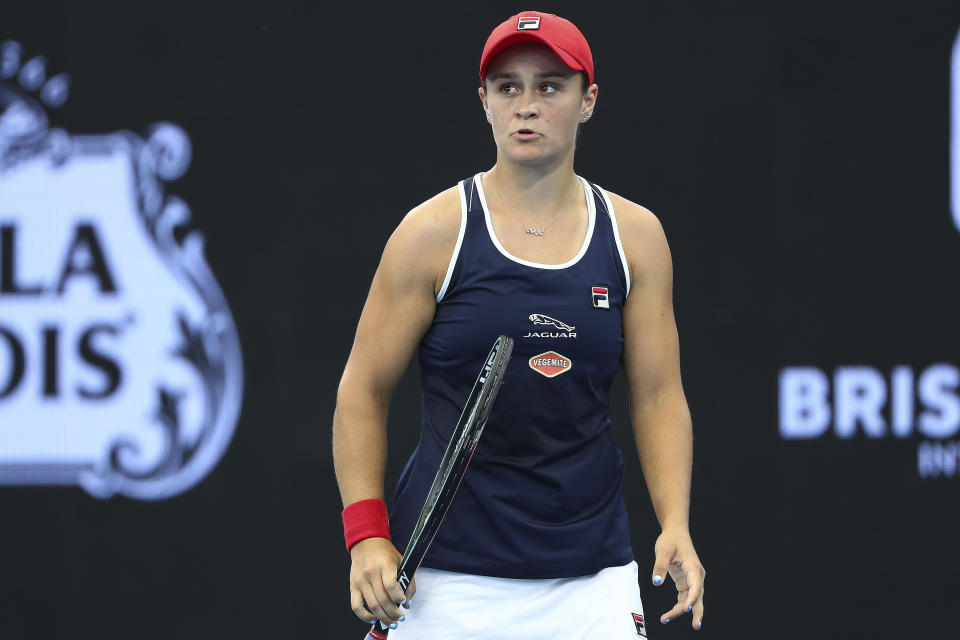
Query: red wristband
{"x": 365, "y": 519}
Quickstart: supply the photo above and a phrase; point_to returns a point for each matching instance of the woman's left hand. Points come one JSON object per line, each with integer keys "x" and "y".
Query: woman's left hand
{"x": 676, "y": 556}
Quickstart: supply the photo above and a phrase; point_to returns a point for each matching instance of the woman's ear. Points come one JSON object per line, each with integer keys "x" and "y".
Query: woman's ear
{"x": 590, "y": 97}
{"x": 486, "y": 107}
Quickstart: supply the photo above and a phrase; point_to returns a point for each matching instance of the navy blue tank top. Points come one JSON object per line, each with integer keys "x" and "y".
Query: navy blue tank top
{"x": 542, "y": 497}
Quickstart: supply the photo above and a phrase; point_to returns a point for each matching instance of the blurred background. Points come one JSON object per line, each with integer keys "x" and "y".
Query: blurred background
{"x": 194, "y": 198}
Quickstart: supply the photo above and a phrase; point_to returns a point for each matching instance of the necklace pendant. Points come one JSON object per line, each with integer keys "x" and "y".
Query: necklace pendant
{"x": 535, "y": 232}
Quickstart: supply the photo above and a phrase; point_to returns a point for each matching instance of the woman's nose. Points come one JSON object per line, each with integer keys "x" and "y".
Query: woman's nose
{"x": 527, "y": 110}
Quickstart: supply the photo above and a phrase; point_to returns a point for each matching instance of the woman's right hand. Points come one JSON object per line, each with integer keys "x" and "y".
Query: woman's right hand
{"x": 373, "y": 581}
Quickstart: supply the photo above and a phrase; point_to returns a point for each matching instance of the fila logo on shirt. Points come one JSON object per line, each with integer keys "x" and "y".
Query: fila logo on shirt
{"x": 601, "y": 297}
{"x": 566, "y": 330}
{"x": 528, "y": 23}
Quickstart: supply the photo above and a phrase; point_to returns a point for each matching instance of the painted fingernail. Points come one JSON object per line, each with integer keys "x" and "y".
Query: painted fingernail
{"x": 700, "y": 625}
{"x": 689, "y": 608}
{"x": 666, "y": 621}
{"x": 393, "y": 625}
{"x": 402, "y": 618}
{"x": 404, "y": 601}
{"x": 657, "y": 579}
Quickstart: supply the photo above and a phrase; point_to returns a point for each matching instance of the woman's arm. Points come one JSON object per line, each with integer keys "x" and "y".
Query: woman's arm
{"x": 658, "y": 407}
{"x": 398, "y": 311}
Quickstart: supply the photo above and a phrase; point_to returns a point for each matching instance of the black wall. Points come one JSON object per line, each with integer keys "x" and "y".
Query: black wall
{"x": 797, "y": 155}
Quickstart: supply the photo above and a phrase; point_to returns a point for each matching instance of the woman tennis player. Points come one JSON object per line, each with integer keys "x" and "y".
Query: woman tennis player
{"x": 536, "y": 541}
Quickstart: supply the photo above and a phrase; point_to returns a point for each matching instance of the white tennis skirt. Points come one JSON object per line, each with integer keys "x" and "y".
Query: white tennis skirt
{"x": 462, "y": 606}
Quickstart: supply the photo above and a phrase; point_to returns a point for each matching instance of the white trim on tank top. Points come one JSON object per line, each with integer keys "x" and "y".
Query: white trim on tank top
{"x": 616, "y": 235}
{"x": 456, "y": 248}
{"x": 591, "y": 215}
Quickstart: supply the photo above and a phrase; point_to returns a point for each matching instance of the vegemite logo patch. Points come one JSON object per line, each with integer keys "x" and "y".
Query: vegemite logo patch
{"x": 550, "y": 364}
{"x": 638, "y": 621}
{"x": 120, "y": 365}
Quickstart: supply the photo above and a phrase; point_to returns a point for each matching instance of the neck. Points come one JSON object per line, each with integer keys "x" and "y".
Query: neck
{"x": 535, "y": 190}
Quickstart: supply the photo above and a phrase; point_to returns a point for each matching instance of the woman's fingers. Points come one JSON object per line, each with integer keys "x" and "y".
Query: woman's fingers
{"x": 682, "y": 607}
{"x": 394, "y": 591}
{"x": 678, "y": 610}
{"x": 356, "y": 603}
{"x": 697, "y": 621}
{"x": 411, "y": 591}
{"x": 376, "y": 598}
{"x": 374, "y": 589}
{"x": 694, "y": 582}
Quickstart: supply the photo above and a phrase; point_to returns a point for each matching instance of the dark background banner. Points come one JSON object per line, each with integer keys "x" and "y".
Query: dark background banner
{"x": 797, "y": 154}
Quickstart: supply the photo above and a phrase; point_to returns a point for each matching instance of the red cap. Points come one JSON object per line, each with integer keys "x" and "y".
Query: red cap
{"x": 561, "y": 35}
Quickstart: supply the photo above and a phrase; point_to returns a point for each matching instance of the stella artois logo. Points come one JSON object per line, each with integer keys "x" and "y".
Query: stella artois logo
{"x": 120, "y": 366}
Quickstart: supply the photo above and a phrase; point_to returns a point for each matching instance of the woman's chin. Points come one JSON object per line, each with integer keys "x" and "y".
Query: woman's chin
{"x": 530, "y": 156}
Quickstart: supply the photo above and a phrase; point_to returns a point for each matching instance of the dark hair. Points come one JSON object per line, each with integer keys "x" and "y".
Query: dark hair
{"x": 585, "y": 83}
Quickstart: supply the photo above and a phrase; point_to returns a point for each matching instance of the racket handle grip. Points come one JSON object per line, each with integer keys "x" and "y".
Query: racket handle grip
{"x": 377, "y": 632}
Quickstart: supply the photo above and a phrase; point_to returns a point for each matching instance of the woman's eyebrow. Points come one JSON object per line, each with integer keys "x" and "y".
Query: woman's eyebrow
{"x": 540, "y": 76}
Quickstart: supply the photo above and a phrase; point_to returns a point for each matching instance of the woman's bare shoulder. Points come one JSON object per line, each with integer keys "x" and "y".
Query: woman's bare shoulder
{"x": 431, "y": 225}
{"x": 633, "y": 217}
{"x": 641, "y": 233}
{"x": 435, "y": 219}
{"x": 425, "y": 239}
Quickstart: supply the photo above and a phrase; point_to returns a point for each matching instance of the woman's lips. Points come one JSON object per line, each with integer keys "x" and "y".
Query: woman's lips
{"x": 525, "y": 134}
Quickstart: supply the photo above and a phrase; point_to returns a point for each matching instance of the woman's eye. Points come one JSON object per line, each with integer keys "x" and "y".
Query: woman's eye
{"x": 548, "y": 88}
{"x": 508, "y": 89}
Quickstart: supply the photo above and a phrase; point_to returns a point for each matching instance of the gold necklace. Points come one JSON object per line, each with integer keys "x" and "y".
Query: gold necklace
{"x": 529, "y": 229}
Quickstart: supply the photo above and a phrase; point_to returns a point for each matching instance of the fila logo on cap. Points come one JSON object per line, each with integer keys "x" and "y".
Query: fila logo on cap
{"x": 528, "y": 23}
{"x": 601, "y": 298}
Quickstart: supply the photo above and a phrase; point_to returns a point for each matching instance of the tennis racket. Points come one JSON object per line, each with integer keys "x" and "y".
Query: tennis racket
{"x": 453, "y": 466}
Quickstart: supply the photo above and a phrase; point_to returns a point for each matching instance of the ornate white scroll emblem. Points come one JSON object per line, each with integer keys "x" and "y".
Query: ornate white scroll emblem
{"x": 120, "y": 365}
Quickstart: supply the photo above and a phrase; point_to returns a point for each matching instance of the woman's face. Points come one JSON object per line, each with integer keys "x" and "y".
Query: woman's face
{"x": 535, "y": 102}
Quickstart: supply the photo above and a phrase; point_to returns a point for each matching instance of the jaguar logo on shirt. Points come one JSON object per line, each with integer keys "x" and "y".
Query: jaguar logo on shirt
{"x": 550, "y": 364}
{"x": 565, "y": 330}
